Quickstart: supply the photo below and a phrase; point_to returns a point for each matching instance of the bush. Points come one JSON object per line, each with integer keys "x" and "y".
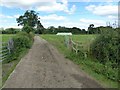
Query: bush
{"x": 105, "y": 50}
{"x": 22, "y": 41}
{"x": 105, "y": 47}
{"x": 27, "y": 29}
{"x": 31, "y": 36}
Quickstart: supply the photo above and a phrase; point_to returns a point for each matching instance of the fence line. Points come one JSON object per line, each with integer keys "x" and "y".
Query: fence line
{"x": 5, "y": 50}
{"x": 75, "y": 46}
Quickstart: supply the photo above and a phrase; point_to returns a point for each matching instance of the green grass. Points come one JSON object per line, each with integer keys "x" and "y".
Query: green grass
{"x": 6, "y": 37}
{"x": 86, "y": 64}
{"x": 85, "y": 40}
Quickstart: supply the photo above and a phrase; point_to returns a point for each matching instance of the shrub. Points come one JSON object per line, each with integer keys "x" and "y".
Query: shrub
{"x": 31, "y": 36}
{"x": 27, "y": 29}
{"x": 105, "y": 47}
{"x": 22, "y": 41}
{"x": 105, "y": 50}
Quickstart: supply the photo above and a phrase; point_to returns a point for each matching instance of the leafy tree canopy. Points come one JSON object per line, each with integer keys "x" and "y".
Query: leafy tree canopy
{"x": 30, "y": 19}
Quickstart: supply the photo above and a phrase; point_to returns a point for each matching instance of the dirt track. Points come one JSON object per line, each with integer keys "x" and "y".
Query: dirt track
{"x": 45, "y": 67}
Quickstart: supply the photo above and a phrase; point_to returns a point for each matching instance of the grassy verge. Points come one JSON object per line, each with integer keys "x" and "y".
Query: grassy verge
{"x": 22, "y": 43}
{"x": 7, "y": 68}
{"x": 4, "y": 38}
{"x": 85, "y": 64}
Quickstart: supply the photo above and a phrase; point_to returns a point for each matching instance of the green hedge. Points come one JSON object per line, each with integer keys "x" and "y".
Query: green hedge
{"x": 105, "y": 47}
{"x": 105, "y": 50}
{"x": 22, "y": 42}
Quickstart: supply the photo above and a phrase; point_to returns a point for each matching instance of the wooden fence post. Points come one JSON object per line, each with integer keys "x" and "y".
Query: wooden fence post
{"x": 10, "y": 45}
{"x": 70, "y": 43}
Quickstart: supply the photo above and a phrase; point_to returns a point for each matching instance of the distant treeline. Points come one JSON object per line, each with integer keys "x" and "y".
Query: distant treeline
{"x": 53, "y": 30}
{"x": 10, "y": 31}
{"x": 75, "y": 30}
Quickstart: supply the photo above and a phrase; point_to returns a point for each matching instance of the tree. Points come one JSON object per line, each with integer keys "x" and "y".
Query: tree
{"x": 90, "y": 28}
{"x": 51, "y": 29}
{"x": 76, "y": 30}
{"x": 27, "y": 29}
{"x": 30, "y": 19}
{"x": 83, "y": 31}
{"x": 40, "y": 28}
{"x": 10, "y": 31}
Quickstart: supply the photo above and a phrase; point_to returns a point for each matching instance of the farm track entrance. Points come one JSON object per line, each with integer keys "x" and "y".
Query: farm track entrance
{"x": 45, "y": 67}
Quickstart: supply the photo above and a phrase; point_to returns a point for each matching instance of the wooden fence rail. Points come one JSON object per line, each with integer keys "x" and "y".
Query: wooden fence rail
{"x": 75, "y": 46}
{"x": 5, "y": 49}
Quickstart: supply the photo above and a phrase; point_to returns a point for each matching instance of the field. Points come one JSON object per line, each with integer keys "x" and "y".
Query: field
{"x": 6, "y": 37}
{"x": 88, "y": 64}
{"x": 58, "y": 41}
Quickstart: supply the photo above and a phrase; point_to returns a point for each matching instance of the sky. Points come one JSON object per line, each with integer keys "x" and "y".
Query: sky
{"x": 68, "y": 13}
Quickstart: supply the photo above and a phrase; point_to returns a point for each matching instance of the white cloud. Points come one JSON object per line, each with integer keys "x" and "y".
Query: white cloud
{"x": 24, "y": 4}
{"x": 53, "y": 17}
{"x": 2, "y": 16}
{"x": 54, "y": 6}
{"x": 40, "y": 5}
{"x": 72, "y": 10}
{"x": 113, "y": 17}
{"x": 5, "y": 16}
{"x": 70, "y": 24}
{"x": 9, "y": 25}
{"x": 103, "y": 10}
{"x": 3, "y": 21}
{"x": 92, "y": 21}
{"x": 12, "y": 26}
{"x": 16, "y": 16}
{"x": 66, "y": 24}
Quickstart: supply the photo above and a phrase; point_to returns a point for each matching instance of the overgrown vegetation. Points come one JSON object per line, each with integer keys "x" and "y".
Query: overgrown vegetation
{"x": 106, "y": 75}
{"x": 22, "y": 42}
{"x": 105, "y": 50}
{"x": 105, "y": 47}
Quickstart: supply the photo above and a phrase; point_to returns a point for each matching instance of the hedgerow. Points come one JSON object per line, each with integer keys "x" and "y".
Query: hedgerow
{"x": 22, "y": 41}
{"x": 105, "y": 49}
